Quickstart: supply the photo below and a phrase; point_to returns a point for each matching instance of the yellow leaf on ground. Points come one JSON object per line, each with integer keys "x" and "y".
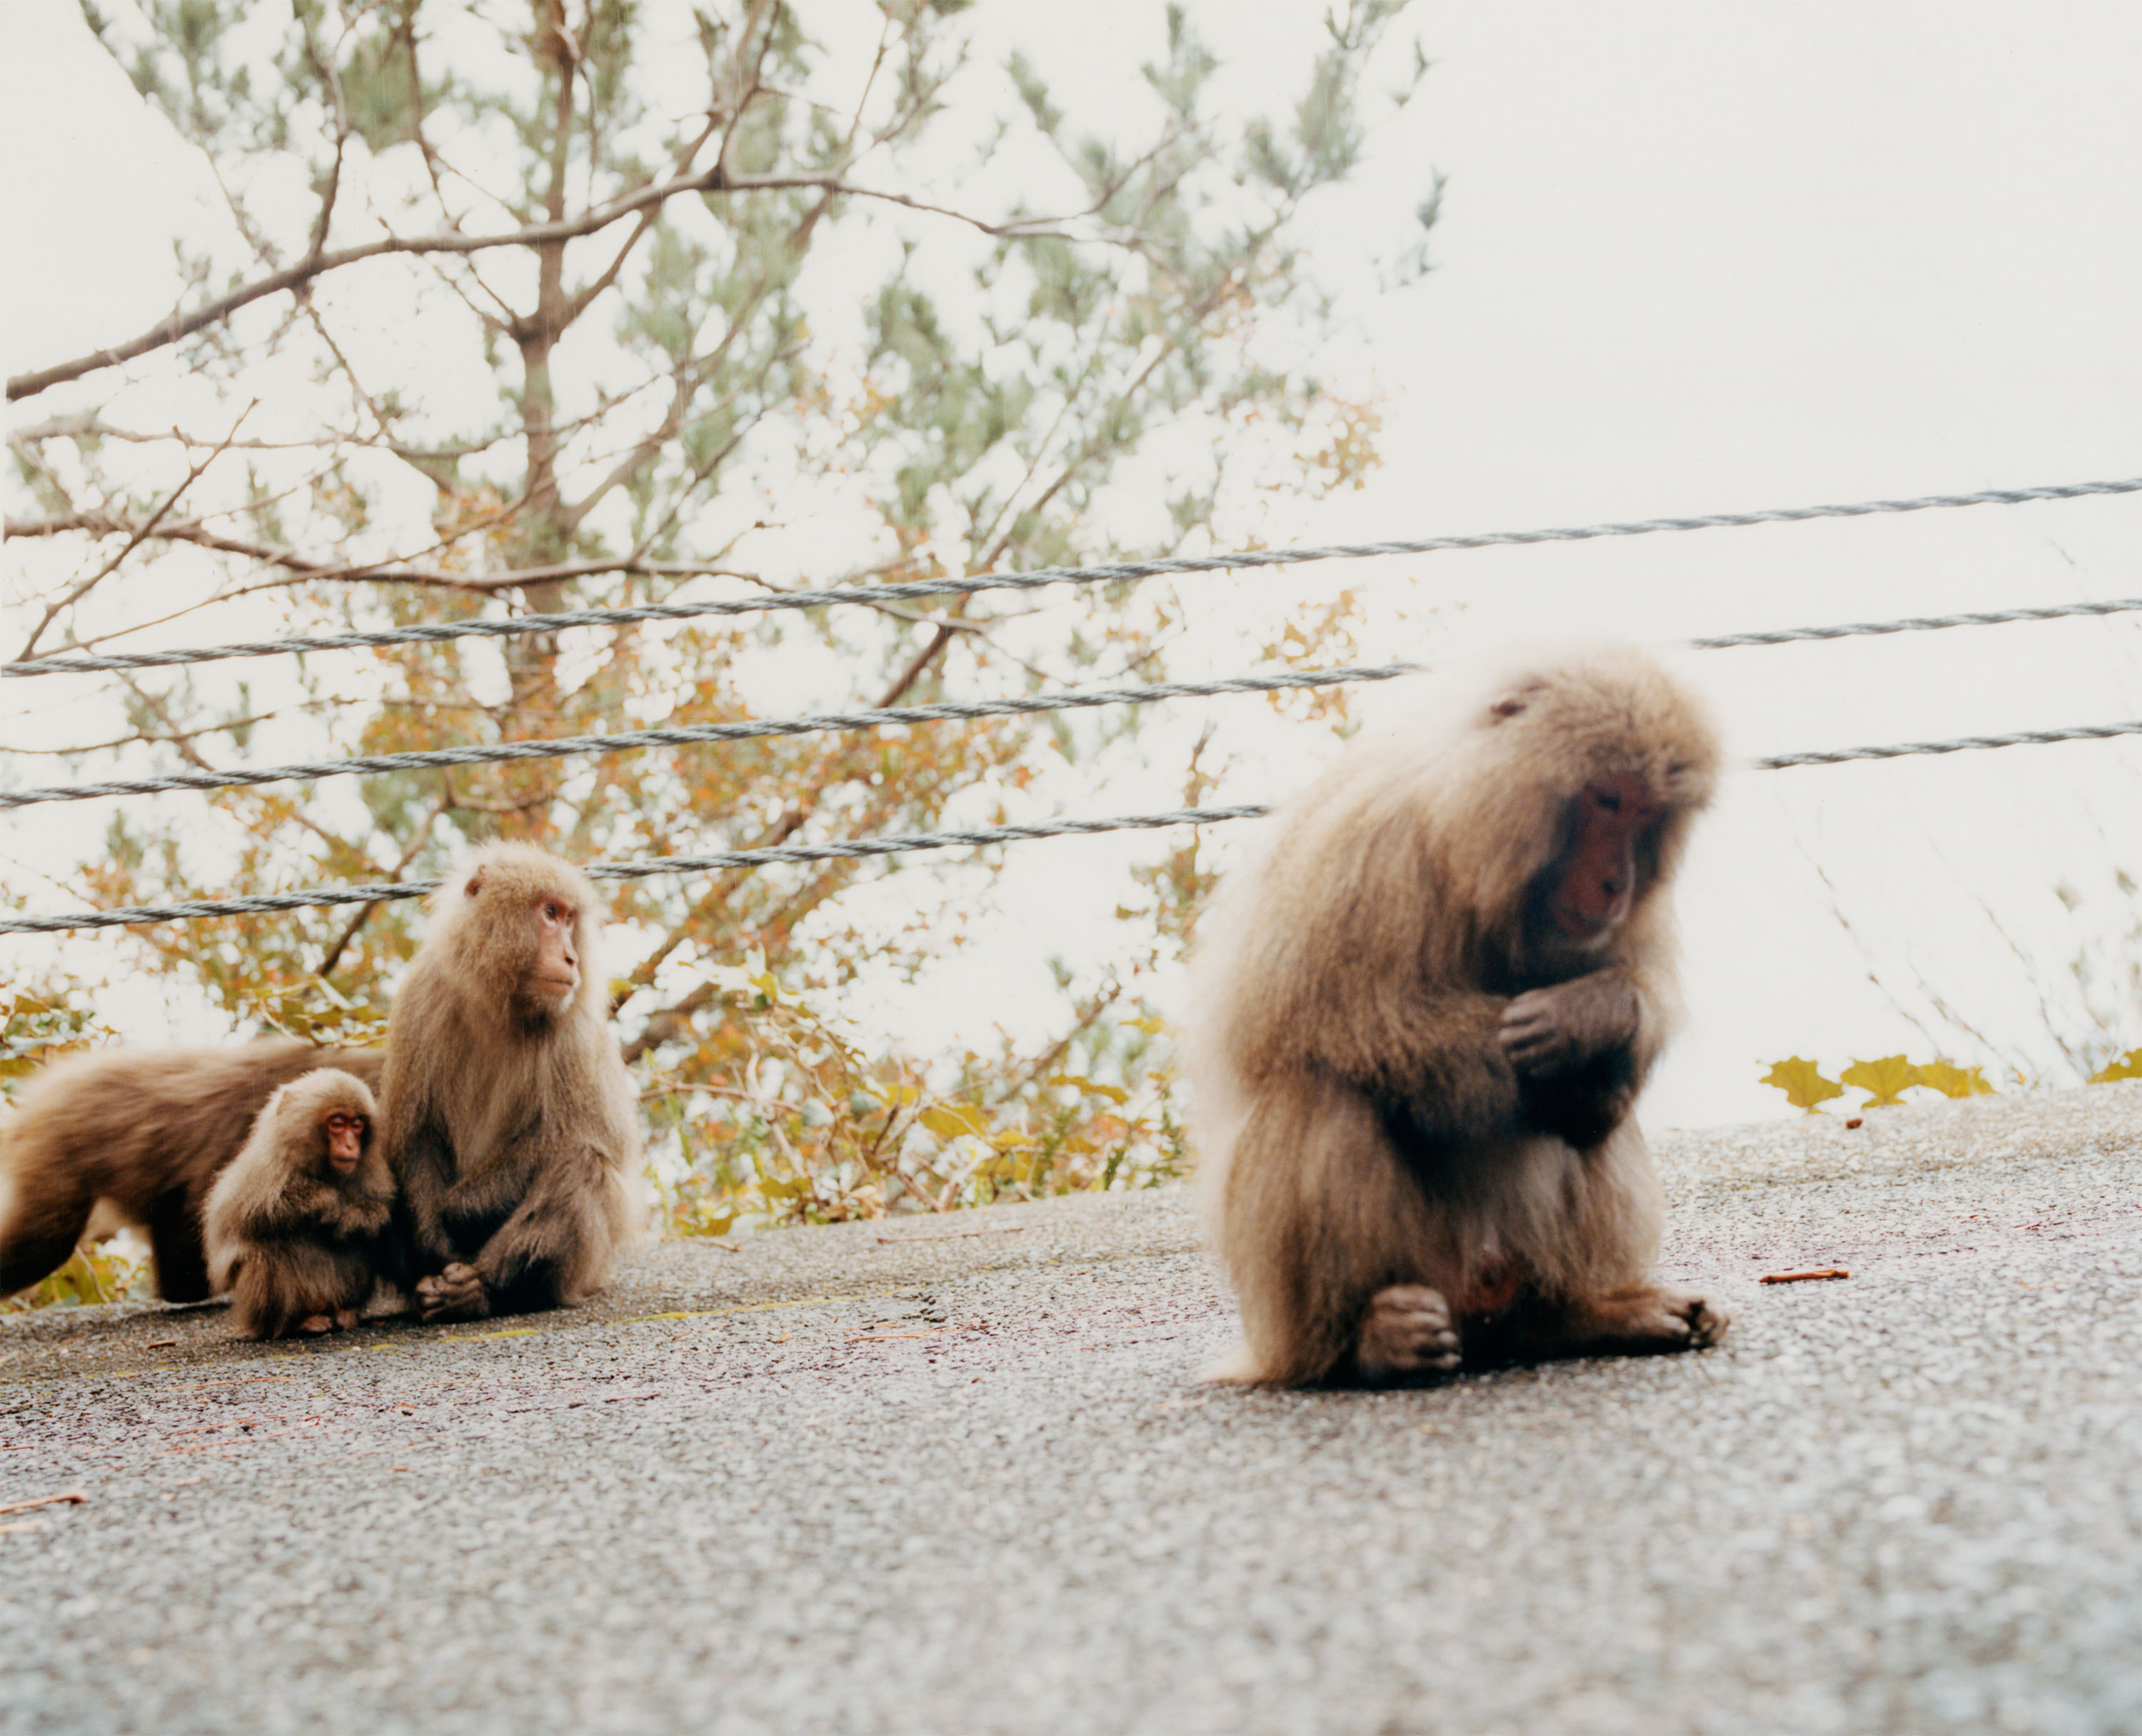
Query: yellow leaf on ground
{"x": 2128, "y": 1066}
{"x": 1803, "y": 1083}
{"x": 1881, "y": 1080}
{"x": 1955, "y": 1081}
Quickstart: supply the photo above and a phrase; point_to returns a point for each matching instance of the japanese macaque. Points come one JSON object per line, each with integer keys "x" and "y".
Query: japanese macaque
{"x": 147, "y": 1132}
{"x": 294, "y": 1227}
{"x": 1419, "y": 1024}
{"x": 510, "y": 1121}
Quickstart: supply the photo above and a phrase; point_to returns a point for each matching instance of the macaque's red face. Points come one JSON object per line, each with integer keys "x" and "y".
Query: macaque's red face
{"x": 557, "y": 970}
{"x": 345, "y": 1142}
{"x": 1595, "y": 883}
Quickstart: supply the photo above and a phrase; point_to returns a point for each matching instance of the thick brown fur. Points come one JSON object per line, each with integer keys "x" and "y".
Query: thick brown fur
{"x": 147, "y": 1131}
{"x": 1388, "y": 1191}
{"x": 510, "y": 1121}
{"x": 298, "y": 1246}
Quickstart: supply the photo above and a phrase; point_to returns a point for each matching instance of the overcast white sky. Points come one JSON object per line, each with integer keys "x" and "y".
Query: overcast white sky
{"x": 1695, "y": 258}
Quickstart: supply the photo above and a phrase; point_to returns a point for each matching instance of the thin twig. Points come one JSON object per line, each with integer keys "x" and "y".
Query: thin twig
{"x": 73, "y": 1495}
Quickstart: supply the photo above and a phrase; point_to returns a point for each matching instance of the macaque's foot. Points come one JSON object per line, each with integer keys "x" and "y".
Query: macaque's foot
{"x": 313, "y": 1325}
{"x": 1407, "y": 1331}
{"x": 345, "y": 1319}
{"x": 1638, "y": 1322}
{"x": 456, "y": 1294}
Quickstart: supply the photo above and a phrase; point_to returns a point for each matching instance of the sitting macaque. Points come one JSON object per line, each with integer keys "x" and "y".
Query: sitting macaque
{"x": 510, "y": 1121}
{"x": 295, "y": 1226}
{"x": 1419, "y": 1024}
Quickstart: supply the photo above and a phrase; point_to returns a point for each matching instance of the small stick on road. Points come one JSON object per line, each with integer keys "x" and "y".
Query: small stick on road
{"x": 76, "y": 1496}
{"x": 1796, "y": 1278}
{"x": 960, "y": 1235}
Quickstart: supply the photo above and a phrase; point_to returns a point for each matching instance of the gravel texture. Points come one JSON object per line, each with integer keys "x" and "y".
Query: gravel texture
{"x": 955, "y": 1474}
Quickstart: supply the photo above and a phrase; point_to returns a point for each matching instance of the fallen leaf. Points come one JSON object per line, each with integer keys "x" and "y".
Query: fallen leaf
{"x": 1802, "y": 1082}
{"x": 1953, "y": 1081}
{"x": 1883, "y": 1080}
{"x": 2128, "y": 1066}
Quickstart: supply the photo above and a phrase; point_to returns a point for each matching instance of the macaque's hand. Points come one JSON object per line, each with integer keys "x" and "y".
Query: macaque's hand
{"x": 1547, "y": 1030}
{"x": 456, "y": 1294}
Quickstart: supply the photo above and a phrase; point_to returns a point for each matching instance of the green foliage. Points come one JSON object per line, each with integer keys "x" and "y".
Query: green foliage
{"x": 315, "y": 1011}
{"x": 119, "y": 1270}
{"x": 820, "y": 1129}
{"x": 377, "y": 75}
{"x": 38, "y": 1027}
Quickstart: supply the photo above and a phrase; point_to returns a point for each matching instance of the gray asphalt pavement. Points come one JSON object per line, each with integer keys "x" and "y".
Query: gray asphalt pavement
{"x": 955, "y": 1474}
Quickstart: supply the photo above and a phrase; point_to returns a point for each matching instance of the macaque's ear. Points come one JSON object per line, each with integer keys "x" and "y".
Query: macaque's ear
{"x": 475, "y": 884}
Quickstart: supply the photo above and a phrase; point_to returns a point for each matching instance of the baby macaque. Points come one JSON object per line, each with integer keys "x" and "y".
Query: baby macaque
{"x": 294, "y": 1225}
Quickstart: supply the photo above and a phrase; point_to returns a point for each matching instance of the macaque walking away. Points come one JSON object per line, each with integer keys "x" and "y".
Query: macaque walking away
{"x": 510, "y": 1123}
{"x": 147, "y": 1129}
{"x": 1419, "y": 1024}
{"x": 295, "y": 1226}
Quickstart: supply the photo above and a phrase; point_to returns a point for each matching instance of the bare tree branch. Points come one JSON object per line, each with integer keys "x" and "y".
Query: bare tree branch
{"x": 135, "y": 539}
{"x": 419, "y": 835}
{"x": 180, "y": 325}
